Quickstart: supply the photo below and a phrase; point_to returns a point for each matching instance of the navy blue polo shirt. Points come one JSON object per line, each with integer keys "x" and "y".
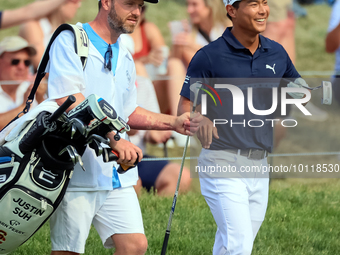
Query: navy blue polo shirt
{"x": 0, "y": 18}
{"x": 227, "y": 61}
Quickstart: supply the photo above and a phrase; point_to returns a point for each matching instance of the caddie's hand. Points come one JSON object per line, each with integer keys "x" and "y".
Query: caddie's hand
{"x": 205, "y": 132}
{"x": 128, "y": 152}
{"x": 187, "y": 125}
{"x": 298, "y": 83}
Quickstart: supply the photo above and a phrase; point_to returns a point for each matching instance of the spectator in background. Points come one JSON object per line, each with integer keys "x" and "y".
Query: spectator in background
{"x": 207, "y": 22}
{"x": 28, "y": 12}
{"x": 15, "y": 59}
{"x": 281, "y": 25}
{"x": 151, "y": 50}
{"x": 39, "y": 32}
{"x": 333, "y": 45}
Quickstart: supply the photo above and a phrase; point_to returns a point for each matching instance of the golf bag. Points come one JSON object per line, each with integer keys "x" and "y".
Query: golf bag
{"x": 39, "y": 153}
{"x": 37, "y": 164}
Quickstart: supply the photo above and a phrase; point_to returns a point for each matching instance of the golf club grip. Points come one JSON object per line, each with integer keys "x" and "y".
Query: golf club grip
{"x": 69, "y": 101}
{"x": 165, "y": 242}
{"x": 111, "y": 155}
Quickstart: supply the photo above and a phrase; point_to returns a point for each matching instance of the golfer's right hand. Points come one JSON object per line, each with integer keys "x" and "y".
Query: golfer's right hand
{"x": 298, "y": 83}
{"x": 205, "y": 132}
{"x": 128, "y": 152}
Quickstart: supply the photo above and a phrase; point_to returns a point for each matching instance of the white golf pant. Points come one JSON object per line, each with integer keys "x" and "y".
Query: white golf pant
{"x": 238, "y": 204}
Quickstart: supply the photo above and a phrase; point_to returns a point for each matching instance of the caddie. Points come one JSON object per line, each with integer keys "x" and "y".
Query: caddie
{"x": 238, "y": 200}
{"x": 99, "y": 196}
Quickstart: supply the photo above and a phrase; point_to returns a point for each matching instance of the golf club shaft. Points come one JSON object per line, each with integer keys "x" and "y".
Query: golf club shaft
{"x": 315, "y": 88}
{"x": 69, "y": 101}
{"x": 174, "y": 201}
{"x": 167, "y": 232}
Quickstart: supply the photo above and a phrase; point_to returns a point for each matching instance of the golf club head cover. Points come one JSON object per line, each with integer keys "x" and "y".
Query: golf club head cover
{"x": 94, "y": 112}
{"x": 35, "y": 134}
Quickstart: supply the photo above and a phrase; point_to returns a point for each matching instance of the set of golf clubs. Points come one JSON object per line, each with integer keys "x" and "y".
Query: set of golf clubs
{"x": 86, "y": 125}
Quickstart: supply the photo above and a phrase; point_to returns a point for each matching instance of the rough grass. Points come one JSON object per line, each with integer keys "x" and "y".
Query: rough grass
{"x": 302, "y": 219}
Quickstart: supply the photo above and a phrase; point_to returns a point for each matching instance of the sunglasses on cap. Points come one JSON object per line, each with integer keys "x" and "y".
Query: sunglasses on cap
{"x": 16, "y": 62}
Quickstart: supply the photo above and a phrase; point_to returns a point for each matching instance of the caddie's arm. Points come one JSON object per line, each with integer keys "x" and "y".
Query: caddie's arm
{"x": 206, "y": 130}
{"x": 147, "y": 120}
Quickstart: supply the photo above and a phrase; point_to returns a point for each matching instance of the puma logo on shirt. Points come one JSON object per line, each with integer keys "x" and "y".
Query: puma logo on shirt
{"x": 271, "y": 68}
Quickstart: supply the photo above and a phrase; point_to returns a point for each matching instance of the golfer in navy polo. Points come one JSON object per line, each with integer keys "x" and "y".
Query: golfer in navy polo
{"x": 238, "y": 200}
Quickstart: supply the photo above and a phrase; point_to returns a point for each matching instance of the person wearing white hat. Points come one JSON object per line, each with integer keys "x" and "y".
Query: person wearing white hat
{"x": 15, "y": 59}
{"x": 233, "y": 154}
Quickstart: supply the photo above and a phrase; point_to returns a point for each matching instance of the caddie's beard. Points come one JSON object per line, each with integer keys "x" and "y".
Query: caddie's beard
{"x": 118, "y": 24}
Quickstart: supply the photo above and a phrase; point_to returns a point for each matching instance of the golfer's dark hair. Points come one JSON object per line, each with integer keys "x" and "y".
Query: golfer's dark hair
{"x": 236, "y": 5}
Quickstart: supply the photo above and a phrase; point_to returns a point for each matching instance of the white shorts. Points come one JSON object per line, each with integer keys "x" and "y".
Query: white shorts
{"x": 111, "y": 212}
{"x": 237, "y": 204}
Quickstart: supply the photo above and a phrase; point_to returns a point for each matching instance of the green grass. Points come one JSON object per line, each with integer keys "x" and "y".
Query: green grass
{"x": 302, "y": 219}
{"x": 303, "y": 214}
{"x": 310, "y": 40}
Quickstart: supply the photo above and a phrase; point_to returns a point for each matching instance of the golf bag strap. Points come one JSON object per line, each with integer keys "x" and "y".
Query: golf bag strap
{"x": 81, "y": 45}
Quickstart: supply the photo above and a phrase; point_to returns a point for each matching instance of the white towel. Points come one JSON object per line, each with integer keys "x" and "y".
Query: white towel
{"x": 9, "y": 133}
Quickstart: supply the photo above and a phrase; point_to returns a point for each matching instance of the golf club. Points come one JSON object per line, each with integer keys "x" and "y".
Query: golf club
{"x": 326, "y": 91}
{"x": 195, "y": 89}
{"x": 314, "y": 88}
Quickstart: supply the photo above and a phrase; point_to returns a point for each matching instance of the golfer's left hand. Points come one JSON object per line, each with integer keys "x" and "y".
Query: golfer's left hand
{"x": 206, "y": 132}
{"x": 187, "y": 125}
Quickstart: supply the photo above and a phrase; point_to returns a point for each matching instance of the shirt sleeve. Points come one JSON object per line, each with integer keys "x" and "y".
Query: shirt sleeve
{"x": 199, "y": 70}
{"x": 0, "y": 18}
{"x": 66, "y": 76}
{"x": 335, "y": 16}
{"x": 291, "y": 71}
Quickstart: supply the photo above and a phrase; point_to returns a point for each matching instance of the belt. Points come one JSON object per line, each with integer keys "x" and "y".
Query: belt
{"x": 249, "y": 153}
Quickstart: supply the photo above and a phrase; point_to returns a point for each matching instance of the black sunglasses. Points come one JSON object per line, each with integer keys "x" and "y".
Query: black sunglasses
{"x": 16, "y": 62}
{"x": 107, "y": 63}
